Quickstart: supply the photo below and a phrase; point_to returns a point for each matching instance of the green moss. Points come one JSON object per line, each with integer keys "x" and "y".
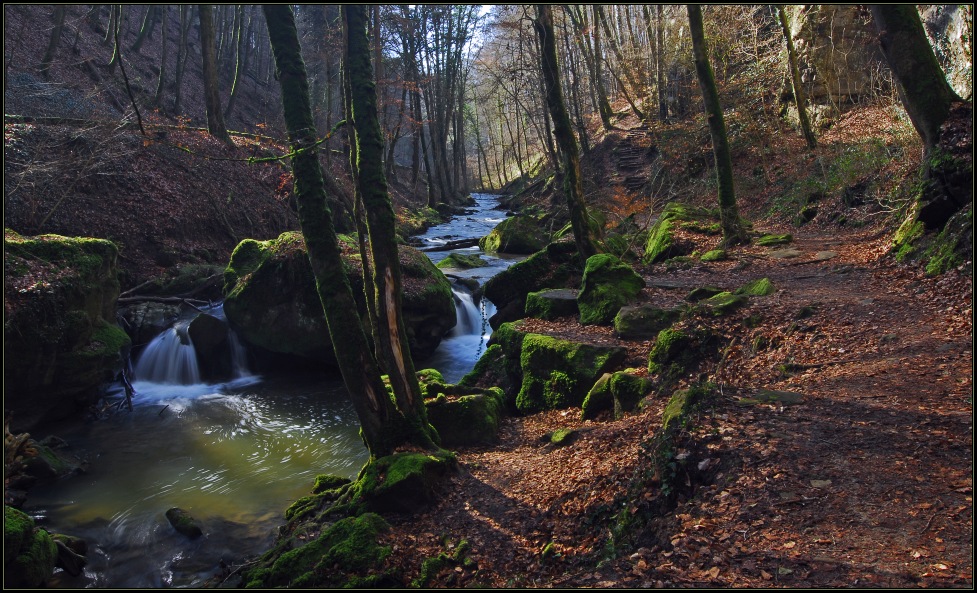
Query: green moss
{"x": 562, "y": 436}
{"x": 519, "y": 234}
{"x": 620, "y": 391}
{"x": 670, "y": 346}
{"x": 461, "y": 261}
{"x": 705, "y": 292}
{"x": 644, "y": 322}
{"x": 552, "y": 303}
{"x": 557, "y": 265}
{"x": 714, "y": 255}
{"x": 723, "y": 303}
{"x": 468, "y": 420}
{"x": 404, "y": 482}
{"x": 433, "y": 566}
{"x": 558, "y": 373}
{"x": 607, "y": 285}
{"x": 350, "y": 543}
{"x": 490, "y": 365}
{"x": 772, "y": 240}
{"x": 29, "y": 553}
{"x": 660, "y": 241}
{"x": 324, "y": 482}
{"x": 661, "y": 244}
{"x": 953, "y": 245}
{"x": 761, "y": 287}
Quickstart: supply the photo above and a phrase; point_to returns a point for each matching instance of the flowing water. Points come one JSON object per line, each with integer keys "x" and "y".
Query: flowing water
{"x": 233, "y": 454}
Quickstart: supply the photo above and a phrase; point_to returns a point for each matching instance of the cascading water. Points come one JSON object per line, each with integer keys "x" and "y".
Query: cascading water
{"x": 170, "y": 358}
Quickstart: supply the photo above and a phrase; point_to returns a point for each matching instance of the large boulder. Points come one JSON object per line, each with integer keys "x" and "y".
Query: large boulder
{"x": 558, "y": 265}
{"x": 663, "y": 240}
{"x": 272, "y": 303}
{"x": 607, "y": 285}
{"x": 555, "y": 373}
{"x": 61, "y": 343}
{"x": 618, "y": 391}
{"x": 29, "y": 553}
{"x": 519, "y": 234}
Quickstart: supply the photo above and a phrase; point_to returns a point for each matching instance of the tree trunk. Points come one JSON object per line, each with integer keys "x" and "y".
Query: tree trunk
{"x": 621, "y": 63}
{"x": 562, "y": 128}
{"x": 148, "y": 23}
{"x": 161, "y": 82}
{"x": 795, "y": 79}
{"x": 55, "y": 40}
{"x": 392, "y": 336}
{"x": 923, "y": 88}
{"x": 183, "y": 50}
{"x": 375, "y": 409}
{"x": 212, "y": 98}
{"x": 733, "y": 231}
{"x": 241, "y": 62}
{"x": 660, "y": 63}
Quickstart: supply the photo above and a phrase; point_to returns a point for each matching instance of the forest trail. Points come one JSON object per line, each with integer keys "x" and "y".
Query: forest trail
{"x": 866, "y": 481}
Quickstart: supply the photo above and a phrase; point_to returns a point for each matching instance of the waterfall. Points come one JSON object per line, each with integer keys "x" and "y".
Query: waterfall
{"x": 469, "y": 314}
{"x": 169, "y": 358}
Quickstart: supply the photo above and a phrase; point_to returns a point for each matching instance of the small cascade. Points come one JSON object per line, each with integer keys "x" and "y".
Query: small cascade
{"x": 169, "y": 358}
{"x": 469, "y": 314}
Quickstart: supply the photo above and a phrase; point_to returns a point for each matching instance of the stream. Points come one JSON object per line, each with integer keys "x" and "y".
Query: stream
{"x": 233, "y": 454}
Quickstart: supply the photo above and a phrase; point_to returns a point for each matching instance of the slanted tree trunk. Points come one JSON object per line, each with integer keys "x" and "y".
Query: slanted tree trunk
{"x": 563, "y": 130}
{"x": 795, "y": 79}
{"x": 392, "y": 342}
{"x": 923, "y": 88}
{"x": 182, "y": 51}
{"x": 382, "y": 424}
{"x": 733, "y": 231}
{"x": 212, "y": 97}
{"x": 241, "y": 59}
{"x": 145, "y": 31}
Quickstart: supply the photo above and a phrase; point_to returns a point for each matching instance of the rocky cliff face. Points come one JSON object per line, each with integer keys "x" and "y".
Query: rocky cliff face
{"x": 950, "y": 29}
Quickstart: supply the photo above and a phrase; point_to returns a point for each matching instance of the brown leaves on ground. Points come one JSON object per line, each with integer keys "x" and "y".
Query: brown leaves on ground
{"x": 866, "y": 482}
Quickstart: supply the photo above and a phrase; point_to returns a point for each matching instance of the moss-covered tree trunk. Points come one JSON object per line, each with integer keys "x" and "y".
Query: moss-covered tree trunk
{"x": 562, "y": 129}
{"x": 383, "y": 426}
{"x": 391, "y": 333}
{"x": 212, "y": 98}
{"x": 923, "y": 87}
{"x": 795, "y": 78}
{"x": 733, "y": 231}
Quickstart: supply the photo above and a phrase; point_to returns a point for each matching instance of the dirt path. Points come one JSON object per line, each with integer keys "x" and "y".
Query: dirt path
{"x": 866, "y": 482}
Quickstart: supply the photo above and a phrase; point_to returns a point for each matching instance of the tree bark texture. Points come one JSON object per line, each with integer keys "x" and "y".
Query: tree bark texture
{"x": 212, "y": 98}
{"x": 795, "y": 78}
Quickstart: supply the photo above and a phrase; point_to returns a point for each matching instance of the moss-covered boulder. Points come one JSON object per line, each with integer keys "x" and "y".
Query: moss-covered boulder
{"x": 552, "y": 303}
{"x": 61, "y": 342}
{"x": 774, "y": 240}
{"x": 759, "y": 287}
{"x": 722, "y": 303}
{"x": 619, "y": 391}
{"x": 271, "y": 300}
{"x": 352, "y": 544}
{"x": 702, "y": 293}
{"x": 184, "y": 523}
{"x": 518, "y": 234}
{"x": 29, "y": 553}
{"x": 677, "y": 352}
{"x": 559, "y": 373}
{"x": 607, "y": 285}
{"x": 462, "y": 261}
{"x": 489, "y": 370}
{"x": 556, "y": 265}
{"x": 714, "y": 255}
{"x": 643, "y": 322}
{"x": 403, "y": 482}
{"x": 663, "y": 242}
{"x": 469, "y": 419}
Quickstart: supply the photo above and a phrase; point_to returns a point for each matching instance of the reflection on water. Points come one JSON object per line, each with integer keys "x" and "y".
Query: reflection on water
{"x": 234, "y": 456}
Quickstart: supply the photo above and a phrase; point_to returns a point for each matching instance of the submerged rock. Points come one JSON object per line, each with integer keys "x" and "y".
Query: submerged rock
{"x": 184, "y": 522}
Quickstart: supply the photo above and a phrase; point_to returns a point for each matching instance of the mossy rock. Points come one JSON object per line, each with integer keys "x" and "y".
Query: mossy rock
{"x": 184, "y": 523}
{"x": 954, "y": 245}
{"x": 760, "y": 287}
{"x": 61, "y": 343}
{"x": 773, "y": 240}
{"x": 643, "y": 322}
{"x": 619, "y": 391}
{"x": 663, "y": 243}
{"x": 518, "y": 235}
{"x": 723, "y": 303}
{"x": 607, "y": 285}
{"x": 558, "y": 373}
{"x": 552, "y": 303}
{"x": 462, "y": 262}
{"x": 351, "y": 543}
{"x": 676, "y": 353}
{"x": 29, "y": 553}
{"x": 469, "y": 419}
{"x": 403, "y": 482}
{"x": 489, "y": 370}
{"x": 562, "y": 437}
{"x": 714, "y": 255}
{"x": 557, "y": 265}
{"x": 272, "y": 303}
{"x": 702, "y": 293}
{"x": 325, "y": 482}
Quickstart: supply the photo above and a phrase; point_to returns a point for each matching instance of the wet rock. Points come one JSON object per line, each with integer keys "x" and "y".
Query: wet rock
{"x": 184, "y": 522}
{"x": 144, "y": 321}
